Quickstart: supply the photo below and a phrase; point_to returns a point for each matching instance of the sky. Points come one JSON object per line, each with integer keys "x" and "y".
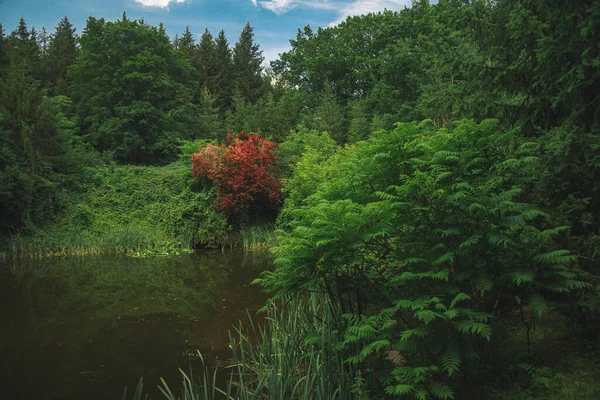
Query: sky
{"x": 275, "y": 22}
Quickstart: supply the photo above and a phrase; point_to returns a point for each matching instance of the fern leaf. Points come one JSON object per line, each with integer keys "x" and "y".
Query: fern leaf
{"x": 459, "y": 297}
{"x": 450, "y": 360}
{"x": 401, "y": 389}
{"x": 470, "y": 241}
{"x": 556, "y": 257}
{"x": 407, "y": 334}
{"x": 484, "y": 285}
{"x": 448, "y": 257}
{"x": 538, "y": 305}
{"x": 441, "y": 391}
{"x": 521, "y": 276}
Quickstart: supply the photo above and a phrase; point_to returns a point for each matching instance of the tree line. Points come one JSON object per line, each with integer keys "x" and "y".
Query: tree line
{"x": 121, "y": 91}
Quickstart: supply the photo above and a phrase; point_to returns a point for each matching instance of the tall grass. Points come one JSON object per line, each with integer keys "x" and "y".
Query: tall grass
{"x": 258, "y": 237}
{"x": 115, "y": 239}
{"x": 293, "y": 356}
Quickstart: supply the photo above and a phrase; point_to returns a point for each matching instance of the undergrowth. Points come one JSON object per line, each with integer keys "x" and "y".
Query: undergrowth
{"x": 128, "y": 209}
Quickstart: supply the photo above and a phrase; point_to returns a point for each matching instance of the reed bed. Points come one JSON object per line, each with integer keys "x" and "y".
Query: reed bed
{"x": 293, "y": 356}
{"x": 258, "y": 237}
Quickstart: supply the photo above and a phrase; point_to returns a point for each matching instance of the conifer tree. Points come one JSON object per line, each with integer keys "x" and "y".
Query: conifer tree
{"x": 186, "y": 44}
{"x": 208, "y": 123}
{"x": 43, "y": 41}
{"x": 62, "y": 53}
{"x": 21, "y": 33}
{"x": 247, "y": 65}
{"x": 206, "y": 63}
{"x": 34, "y": 149}
{"x": 22, "y": 48}
{"x": 224, "y": 64}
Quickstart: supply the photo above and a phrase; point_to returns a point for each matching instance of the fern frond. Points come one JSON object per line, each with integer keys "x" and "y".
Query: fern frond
{"x": 521, "y": 276}
{"x": 441, "y": 391}
{"x": 409, "y": 333}
{"x": 401, "y": 389}
{"x": 450, "y": 360}
{"x": 538, "y": 304}
{"x": 448, "y": 257}
{"x": 556, "y": 257}
{"x": 459, "y": 297}
{"x": 474, "y": 239}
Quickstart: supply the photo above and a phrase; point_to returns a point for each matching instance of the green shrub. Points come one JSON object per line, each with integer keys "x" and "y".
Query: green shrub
{"x": 421, "y": 237}
{"x": 130, "y": 208}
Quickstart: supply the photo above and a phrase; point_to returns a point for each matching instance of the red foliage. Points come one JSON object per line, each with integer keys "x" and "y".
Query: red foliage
{"x": 240, "y": 169}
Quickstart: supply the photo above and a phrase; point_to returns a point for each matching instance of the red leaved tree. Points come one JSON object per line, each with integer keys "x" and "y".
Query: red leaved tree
{"x": 242, "y": 170}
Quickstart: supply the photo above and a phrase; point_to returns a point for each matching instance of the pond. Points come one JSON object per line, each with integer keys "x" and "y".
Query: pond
{"x": 86, "y": 327}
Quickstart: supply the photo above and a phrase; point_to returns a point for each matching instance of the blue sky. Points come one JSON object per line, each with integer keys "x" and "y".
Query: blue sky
{"x": 274, "y": 21}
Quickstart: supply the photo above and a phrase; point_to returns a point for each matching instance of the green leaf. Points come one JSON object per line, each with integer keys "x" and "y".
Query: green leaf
{"x": 470, "y": 241}
{"x": 459, "y": 297}
{"x": 521, "y": 276}
{"x": 448, "y": 257}
{"x": 401, "y": 389}
{"x": 450, "y": 360}
{"x": 538, "y": 304}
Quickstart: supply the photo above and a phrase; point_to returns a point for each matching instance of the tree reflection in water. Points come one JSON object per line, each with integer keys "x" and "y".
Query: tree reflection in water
{"x": 75, "y": 326}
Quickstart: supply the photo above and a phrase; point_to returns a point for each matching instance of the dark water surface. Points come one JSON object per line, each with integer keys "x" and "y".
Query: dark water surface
{"x": 86, "y": 327}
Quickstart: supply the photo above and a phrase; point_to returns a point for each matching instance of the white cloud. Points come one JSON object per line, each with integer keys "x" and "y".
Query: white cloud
{"x": 272, "y": 54}
{"x": 344, "y": 8}
{"x": 158, "y": 3}
{"x": 278, "y": 6}
{"x": 283, "y": 6}
{"x": 360, "y": 7}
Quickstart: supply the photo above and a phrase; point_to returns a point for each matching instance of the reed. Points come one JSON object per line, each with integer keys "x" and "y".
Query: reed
{"x": 258, "y": 237}
{"x": 294, "y": 355}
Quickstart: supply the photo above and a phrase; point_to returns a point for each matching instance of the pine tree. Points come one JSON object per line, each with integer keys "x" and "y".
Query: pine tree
{"x": 21, "y": 33}
{"x": 224, "y": 64}
{"x": 62, "y": 53}
{"x": 208, "y": 121}
{"x": 186, "y": 44}
{"x": 206, "y": 63}
{"x": 247, "y": 65}
{"x": 43, "y": 41}
{"x": 34, "y": 153}
{"x": 33, "y": 37}
{"x": 241, "y": 115}
{"x": 23, "y": 49}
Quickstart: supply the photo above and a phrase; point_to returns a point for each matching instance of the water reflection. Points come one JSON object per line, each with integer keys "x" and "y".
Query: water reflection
{"x": 86, "y": 327}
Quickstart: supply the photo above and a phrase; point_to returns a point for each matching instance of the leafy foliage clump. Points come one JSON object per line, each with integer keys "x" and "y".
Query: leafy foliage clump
{"x": 422, "y": 237}
{"x": 242, "y": 171}
{"x": 130, "y": 208}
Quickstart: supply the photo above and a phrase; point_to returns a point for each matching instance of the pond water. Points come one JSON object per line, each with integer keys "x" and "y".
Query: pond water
{"x": 86, "y": 327}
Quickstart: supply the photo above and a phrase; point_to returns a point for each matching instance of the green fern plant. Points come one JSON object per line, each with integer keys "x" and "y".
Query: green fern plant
{"x": 420, "y": 237}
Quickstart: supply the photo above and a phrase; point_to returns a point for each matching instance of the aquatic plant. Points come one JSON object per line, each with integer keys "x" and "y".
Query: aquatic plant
{"x": 295, "y": 355}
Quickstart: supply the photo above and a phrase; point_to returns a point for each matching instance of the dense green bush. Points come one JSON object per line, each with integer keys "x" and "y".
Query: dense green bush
{"x": 131, "y": 208}
{"x": 422, "y": 237}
